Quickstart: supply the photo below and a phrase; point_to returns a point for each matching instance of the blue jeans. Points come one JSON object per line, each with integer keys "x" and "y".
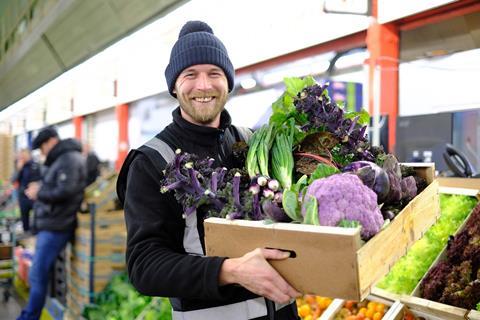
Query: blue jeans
{"x": 49, "y": 245}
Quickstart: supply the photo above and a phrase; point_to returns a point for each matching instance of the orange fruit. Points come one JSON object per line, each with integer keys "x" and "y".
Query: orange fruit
{"x": 377, "y": 316}
{"x": 371, "y": 305}
{"x": 370, "y": 313}
{"x": 363, "y": 311}
{"x": 309, "y": 299}
{"x": 380, "y": 308}
{"x": 324, "y": 303}
{"x": 304, "y": 310}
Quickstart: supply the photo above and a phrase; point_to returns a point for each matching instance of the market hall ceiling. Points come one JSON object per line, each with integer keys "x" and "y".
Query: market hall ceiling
{"x": 41, "y": 39}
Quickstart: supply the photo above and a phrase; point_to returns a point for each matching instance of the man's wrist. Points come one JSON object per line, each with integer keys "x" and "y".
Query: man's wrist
{"x": 226, "y": 275}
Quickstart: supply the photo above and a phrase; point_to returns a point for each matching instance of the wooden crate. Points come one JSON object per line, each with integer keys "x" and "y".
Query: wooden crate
{"x": 337, "y": 304}
{"x": 6, "y": 157}
{"x": 102, "y": 218}
{"x": 464, "y": 183}
{"x": 330, "y": 261}
{"x": 416, "y": 302}
{"x": 75, "y": 305}
{"x": 81, "y": 283}
{"x": 102, "y": 194}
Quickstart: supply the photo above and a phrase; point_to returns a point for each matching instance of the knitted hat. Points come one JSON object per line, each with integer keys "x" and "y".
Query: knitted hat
{"x": 197, "y": 44}
{"x": 43, "y": 136}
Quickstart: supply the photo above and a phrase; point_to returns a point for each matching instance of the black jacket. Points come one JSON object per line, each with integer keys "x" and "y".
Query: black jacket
{"x": 156, "y": 258}
{"x": 30, "y": 172}
{"x": 61, "y": 192}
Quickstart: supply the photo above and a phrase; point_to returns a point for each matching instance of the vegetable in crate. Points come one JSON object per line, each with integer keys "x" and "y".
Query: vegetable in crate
{"x": 345, "y": 197}
{"x": 324, "y": 115}
{"x": 456, "y": 281}
{"x": 221, "y": 192}
{"x": 119, "y": 300}
{"x": 407, "y": 272}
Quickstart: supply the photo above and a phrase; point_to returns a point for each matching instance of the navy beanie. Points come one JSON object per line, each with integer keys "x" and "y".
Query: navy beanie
{"x": 197, "y": 44}
{"x": 43, "y": 136}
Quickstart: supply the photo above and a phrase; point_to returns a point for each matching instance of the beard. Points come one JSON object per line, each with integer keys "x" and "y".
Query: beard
{"x": 203, "y": 113}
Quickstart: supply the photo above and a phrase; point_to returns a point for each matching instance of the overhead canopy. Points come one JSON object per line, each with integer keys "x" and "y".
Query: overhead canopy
{"x": 40, "y": 40}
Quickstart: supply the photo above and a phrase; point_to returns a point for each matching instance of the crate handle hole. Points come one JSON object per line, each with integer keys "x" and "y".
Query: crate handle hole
{"x": 293, "y": 254}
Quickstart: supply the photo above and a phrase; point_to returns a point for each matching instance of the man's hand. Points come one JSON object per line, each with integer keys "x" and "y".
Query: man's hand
{"x": 253, "y": 272}
{"x": 32, "y": 190}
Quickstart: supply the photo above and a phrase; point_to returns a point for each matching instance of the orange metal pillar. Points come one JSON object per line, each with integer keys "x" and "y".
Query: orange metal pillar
{"x": 78, "y": 125}
{"x": 383, "y": 45}
{"x": 122, "y": 119}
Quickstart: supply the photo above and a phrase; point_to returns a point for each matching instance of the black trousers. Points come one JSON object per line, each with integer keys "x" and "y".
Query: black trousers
{"x": 25, "y": 208}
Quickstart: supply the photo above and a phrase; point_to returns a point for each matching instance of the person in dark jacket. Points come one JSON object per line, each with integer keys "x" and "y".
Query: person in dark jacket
{"x": 57, "y": 199}
{"x": 92, "y": 163}
{"x": 165, "y": 249}
{"x": 27, "y": 171}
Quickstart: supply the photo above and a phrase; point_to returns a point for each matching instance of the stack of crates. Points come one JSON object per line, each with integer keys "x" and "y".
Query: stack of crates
{"x": 98, "y": 251}
{"x": 6, "y": 157}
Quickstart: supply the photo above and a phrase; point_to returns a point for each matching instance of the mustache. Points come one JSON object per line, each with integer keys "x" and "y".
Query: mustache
{"x": 204, "y": 94}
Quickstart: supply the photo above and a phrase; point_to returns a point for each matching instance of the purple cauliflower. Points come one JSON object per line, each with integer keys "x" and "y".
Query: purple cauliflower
{"x": 345, "y": 197}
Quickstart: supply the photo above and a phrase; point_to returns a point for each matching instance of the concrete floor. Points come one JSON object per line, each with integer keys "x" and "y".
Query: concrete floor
{"x": 10, "y": 310}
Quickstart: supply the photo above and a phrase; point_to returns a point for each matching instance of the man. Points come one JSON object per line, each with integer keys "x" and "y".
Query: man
{"x": 57, "y": 200}
{"x": 92, "y": 163}
{"x": 165, "y": 252}
{"x": 27, "y": 171}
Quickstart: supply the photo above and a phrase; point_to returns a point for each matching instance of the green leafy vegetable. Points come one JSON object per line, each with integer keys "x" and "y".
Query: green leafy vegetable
{"x": 291, "y": 205}
{"x": 408, "y": 271}
{"x": 311, "y": 211}
{"x": 322, "y": 171}
{"x": 349, "y": 224}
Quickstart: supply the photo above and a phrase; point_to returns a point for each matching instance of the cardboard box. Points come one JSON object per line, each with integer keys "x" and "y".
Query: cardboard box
{"x": 330, "y": 261}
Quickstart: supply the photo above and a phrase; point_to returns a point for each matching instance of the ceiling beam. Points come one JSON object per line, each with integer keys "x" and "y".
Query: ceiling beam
{"x": 36, "y": 31}
{"x": 352, "y": 41}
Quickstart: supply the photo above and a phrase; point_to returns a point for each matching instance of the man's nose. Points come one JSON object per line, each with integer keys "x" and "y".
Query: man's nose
{"x": 203, "y": 82}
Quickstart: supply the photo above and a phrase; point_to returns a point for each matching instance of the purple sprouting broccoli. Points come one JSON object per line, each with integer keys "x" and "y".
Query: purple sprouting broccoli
{"x": 345, "y": 197}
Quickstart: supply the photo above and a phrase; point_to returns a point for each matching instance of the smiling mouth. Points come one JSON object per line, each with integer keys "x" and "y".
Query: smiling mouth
{"x": 203, "y": 99}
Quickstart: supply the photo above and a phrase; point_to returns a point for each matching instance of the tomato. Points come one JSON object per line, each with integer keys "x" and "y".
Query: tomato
{"x": 349, "y": 304}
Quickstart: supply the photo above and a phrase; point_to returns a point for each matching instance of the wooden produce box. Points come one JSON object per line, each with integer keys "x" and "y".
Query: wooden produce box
{"x": 330, "y": 261}
{"x": 336, "y": 306}
{"x": 98, "y": 253}
{"x": 102, "y": 194}
{"x": 443, "y": 311}
{"x": 464, "y": 183}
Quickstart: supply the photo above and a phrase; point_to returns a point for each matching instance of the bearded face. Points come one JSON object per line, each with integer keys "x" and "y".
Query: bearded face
{"x": 202, "y": 91}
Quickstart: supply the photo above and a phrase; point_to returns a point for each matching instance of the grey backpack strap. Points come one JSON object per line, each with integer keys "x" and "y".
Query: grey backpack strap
{"x": 161, "y": 147}
{"x": 244, "y": 133}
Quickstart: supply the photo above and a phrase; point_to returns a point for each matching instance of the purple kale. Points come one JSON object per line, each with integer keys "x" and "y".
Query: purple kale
{"x": 324, "y": 115}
